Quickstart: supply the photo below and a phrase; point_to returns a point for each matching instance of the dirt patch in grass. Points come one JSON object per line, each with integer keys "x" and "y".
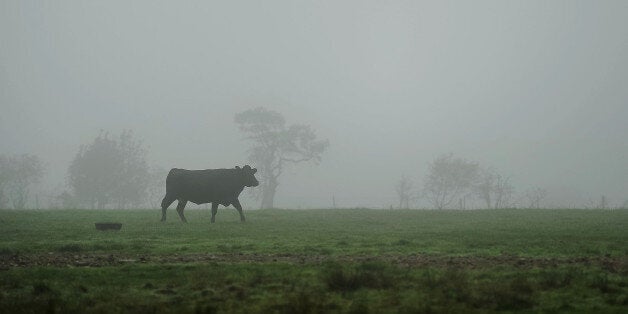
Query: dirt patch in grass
{"x": 60, "y": 259}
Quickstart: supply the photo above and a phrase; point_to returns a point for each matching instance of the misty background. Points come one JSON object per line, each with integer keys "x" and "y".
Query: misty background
{"x": 534, "y": 89}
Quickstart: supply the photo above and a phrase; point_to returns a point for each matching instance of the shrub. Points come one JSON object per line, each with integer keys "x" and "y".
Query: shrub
{"x": 374, "y": 275}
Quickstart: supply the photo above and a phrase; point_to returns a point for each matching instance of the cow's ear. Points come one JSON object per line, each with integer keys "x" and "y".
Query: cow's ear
{"x": 238, "y": 167}
{"x": 254, "y": 170}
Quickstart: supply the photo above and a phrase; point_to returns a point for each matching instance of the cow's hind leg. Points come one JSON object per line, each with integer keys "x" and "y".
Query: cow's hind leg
{"x": 214, "y": 211}
{"x": 164, "y": 205}
{"x": 237, "y": 205}
{"x": 180, "y": 208}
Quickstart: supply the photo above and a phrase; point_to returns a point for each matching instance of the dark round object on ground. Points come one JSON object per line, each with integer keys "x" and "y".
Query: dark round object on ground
{"x": 103, "y": 226}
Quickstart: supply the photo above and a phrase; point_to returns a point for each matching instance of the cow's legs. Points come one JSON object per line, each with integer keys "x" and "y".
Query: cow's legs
{"x": 180, "y": 208}
{"x": 164, "y": 205}
{"x": 214, "y": 211}
{"x": 237, "y": 205}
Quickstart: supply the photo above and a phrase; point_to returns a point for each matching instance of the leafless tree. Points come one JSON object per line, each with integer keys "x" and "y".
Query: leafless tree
{"x": 17, "y": 175}
{"x": 275, "y": 146}
{"x": 504, "y": 192}
{"x": 494, "y": 189}
{"x": 404, "y": 188}
{"x": 449, "y": 178}
{"x": 535, "y": 195}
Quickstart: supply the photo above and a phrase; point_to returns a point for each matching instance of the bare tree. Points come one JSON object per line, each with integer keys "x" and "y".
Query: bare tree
{"x": 110, "y": 171}
{"x": 494, "y": 189}
{"x": 404, "y": 188}
{"x": 504, "y": 192}
{"x": 17, "y": 175}
{"x": 275, "y": 146}
{"x": 484, "y": 189}
{"x": 448, "y": 178}
{"x": 535, "y": 195}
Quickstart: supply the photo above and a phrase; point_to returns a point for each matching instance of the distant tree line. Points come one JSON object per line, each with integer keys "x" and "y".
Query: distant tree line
{"x": 112, "y": 171}
{"x": 451, "y": 181}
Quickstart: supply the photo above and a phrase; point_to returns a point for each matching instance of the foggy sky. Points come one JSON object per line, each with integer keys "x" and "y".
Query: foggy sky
{"x": 535, "y": 89}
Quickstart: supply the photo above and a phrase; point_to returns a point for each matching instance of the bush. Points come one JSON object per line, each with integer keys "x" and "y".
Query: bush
{"x": 374, "y": 275}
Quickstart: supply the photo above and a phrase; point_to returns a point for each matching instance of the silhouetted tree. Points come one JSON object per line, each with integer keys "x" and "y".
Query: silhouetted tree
{"x": 275, "y": 146}
{"x": 17, "y": 175}
{"x": 494, "y": 189}
{"x": 449, "y": 178}
{"x": 110, "y": 171}
{"x": 404, "y": 188}
{"x": 535, "y": 196}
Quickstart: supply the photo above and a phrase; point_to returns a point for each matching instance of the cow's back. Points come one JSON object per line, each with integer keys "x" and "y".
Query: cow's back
{"x": 204, "y": 186}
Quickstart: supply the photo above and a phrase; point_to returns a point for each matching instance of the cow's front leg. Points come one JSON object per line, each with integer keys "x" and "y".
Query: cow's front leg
{"x": 237, "y": 205}
{"x": 180, "y": 208}
{"x": 214, "y": 211}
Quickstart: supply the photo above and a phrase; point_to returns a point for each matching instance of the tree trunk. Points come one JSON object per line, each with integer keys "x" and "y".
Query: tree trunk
{"x": 268, "y": 195}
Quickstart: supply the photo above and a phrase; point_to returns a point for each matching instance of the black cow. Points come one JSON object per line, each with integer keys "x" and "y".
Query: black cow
{"x": 216, "y": 186}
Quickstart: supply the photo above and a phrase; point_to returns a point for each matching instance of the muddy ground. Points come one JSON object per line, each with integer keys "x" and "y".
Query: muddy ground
{"x": 7, "y": 261}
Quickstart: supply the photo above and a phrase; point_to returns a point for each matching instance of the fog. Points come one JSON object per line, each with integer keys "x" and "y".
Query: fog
{"x": 534, "y": 89}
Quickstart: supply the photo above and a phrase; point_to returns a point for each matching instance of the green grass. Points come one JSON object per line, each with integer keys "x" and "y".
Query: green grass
{"x": 289, "y": 288}
{"x": 331, "y": 232}
{"x": 317, "y": 261}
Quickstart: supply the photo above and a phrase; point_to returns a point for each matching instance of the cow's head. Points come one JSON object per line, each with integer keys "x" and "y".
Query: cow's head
{"x": 248, "y": 174}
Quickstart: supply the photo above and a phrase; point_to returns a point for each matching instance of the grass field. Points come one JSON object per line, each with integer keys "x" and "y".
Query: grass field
{"x": 298, "y": 261}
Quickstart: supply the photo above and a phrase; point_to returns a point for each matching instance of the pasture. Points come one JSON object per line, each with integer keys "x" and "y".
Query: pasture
{"x": 311, "y": 261}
